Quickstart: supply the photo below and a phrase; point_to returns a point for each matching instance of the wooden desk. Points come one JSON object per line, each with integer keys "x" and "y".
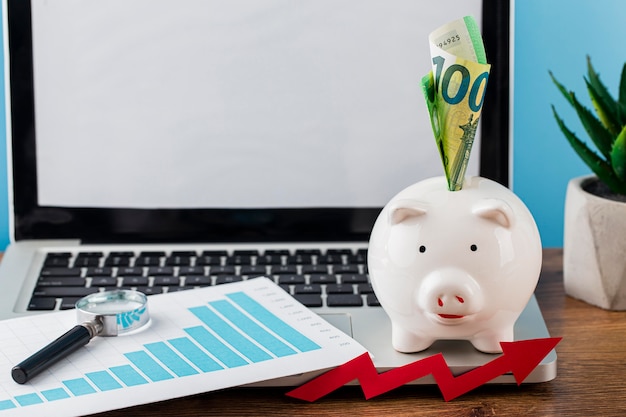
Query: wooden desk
{"x": 591, "y": 378}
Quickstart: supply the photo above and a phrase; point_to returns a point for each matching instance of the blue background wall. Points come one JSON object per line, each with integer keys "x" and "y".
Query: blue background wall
{"x": 550, "y": 34}
{"x": 557, "y": 35}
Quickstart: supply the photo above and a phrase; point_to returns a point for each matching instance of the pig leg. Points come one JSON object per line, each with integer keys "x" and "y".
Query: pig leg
{"x": 408, "y": 342}
{"x": 488, "y": 341}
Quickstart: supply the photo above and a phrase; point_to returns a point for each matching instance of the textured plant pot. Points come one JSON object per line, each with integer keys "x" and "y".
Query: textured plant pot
{"x": 594, "y": 247}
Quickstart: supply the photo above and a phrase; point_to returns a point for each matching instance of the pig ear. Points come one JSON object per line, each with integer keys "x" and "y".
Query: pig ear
{"x": 405, "y": 209}
{"x": 495, "y": 210}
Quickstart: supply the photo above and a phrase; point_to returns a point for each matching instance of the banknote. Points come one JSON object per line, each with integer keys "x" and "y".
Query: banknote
{"x": 455, "y": 91}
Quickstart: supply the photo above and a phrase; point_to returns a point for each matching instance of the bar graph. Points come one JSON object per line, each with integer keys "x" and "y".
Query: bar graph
{"x": 231, "y": 331}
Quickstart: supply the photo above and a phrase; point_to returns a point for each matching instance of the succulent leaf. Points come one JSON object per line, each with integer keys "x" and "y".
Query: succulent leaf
{"x": 600, "y": 167}
{"x": 567, "y": 94}
{"x": 622, "y": 96}
{"x": 618, "y": 156}
{"x": 607, "y": 112}
{"x": 601, "y": 137}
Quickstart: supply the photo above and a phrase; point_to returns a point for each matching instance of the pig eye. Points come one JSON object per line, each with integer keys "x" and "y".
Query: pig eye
{"x": 422, "y": 249}
{"x": 473, "y": 248}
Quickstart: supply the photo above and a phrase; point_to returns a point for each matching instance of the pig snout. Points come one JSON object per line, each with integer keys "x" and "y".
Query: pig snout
{"x": 450, "y": 296}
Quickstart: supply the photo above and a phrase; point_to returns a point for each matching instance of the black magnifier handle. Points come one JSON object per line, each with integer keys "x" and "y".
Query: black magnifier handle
{"x": 75, "y": 338}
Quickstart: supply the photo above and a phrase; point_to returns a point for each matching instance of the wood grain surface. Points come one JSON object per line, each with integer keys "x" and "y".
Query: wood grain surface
{"x": 591, "y": 378}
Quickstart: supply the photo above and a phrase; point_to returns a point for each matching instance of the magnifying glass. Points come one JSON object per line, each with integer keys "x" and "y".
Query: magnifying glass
{"x": 109, "y": 313}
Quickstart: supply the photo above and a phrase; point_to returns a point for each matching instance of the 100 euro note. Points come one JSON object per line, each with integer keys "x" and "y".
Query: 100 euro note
{"x": 454, "y": 91}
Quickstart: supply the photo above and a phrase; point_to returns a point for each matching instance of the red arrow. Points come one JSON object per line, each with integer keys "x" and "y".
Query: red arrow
{"x": 520, "y": 357}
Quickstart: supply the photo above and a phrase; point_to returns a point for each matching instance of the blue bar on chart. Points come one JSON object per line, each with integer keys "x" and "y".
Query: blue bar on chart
{"x": 195, "y": 355}
{"x": 103, "y": 380}
{"x": 170, "y": 359}
{"x": 230, "y": 335}
{"x": 55, "y": 394}
{"x": 6, "y": 405}
{"x": 79, "y": 386}
{"x": 282, "y": 329}
{"x": 213, "y": 345}
{"x": 252, "y": 329}
{"x": 28, "y": 399}
{"x": 128, "y": 375}
{"x": 148, "y": 366}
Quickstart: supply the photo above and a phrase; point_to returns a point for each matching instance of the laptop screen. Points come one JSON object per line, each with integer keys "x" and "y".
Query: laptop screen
{"x": 217, "y": 119}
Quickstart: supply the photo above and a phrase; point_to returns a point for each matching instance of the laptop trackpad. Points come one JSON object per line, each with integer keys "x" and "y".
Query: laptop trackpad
{"x": 341, "y": 321}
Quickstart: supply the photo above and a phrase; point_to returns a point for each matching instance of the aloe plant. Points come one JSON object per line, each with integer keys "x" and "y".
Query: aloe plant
{"x": 606, "y": 128}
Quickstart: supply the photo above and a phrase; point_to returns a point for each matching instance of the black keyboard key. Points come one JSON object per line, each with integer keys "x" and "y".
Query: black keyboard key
{"x": 63, "y": 291}
{"x": 322, "y": 279}
{"x": 209, "y": 260}
{"x": 301, "y": 259}
{"x": 269, "y": 260}
{"x": 239, "y": 260}
{"x": 60, "y": 272}
{"x": 354, "y": 279}
{"x": 329, "y": 259}
{"x": 344, "y": 300}
{"x": 372, "y": 301}
{"x": 339, "y": 252}
{"x": 276, "y": 252}
{"x": 105, "y": 271}
{"x": 191, "y": 270}
{"x": 103, "y": 281}
{"x": 58, "y": 259}
{"x": 339, "y": 289}
{"x": 68, "y": 303}
{"x": 152, "y": 290}
{"x": 222, "y": 270}
{"x": 166, "y": 281}
{"x": 216, "y": 253}
{"x": 40, "y": 304}
{"x": 345, "y": 269}
{"x": 160, "y": 270}
{"x": 365, "y": 288}
{"x": 122, "y": 254}
{"x": 308, "y": 252}
{"x": 359, "y": 258}
{"x": 309, "y": 300}
{"x": 185, "y": 253}
{"x": 117, "y": 261}
{"x": 314, "y": 269}
{"x": 225, "y": 279}
{"x": 288, "y": 279}
{"x": 246, "y": 252}
{"x": 307, "y": 289}
{"x": 283, "y": 269}
{"x": 90, "y": 254}
{"x": 152, "y": 254}
{"x": 255, "y": 270}
{"x": 148, "y": 261}
{"x": 128, "y": 271}
{"x": 176, "y": 289}
{"x": 199, "y": 280}
{"x": 86, "y": 262}
{"x": 62, "y": 282}
{"x": 178, "y": 260}
{"x": 134, "y": 281}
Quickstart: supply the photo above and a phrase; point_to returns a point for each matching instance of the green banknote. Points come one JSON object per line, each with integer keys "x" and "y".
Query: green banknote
{"x": 454, "y": 91}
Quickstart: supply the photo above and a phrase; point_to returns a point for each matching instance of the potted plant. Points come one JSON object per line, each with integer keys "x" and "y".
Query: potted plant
{"x": 594, "y": 244}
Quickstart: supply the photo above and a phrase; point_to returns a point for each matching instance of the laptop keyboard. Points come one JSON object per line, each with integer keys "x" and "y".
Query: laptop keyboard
{"x": 316, "y": 278}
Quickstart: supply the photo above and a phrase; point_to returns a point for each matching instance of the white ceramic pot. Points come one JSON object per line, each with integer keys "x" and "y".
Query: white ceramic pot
{"x": 594, "y": 247}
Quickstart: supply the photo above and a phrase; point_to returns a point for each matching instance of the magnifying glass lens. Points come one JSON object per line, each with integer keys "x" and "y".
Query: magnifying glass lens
{"x": 108, "y": 313}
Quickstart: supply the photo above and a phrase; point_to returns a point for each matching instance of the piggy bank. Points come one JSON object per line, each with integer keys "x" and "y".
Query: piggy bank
{"x": 454, "y": 264}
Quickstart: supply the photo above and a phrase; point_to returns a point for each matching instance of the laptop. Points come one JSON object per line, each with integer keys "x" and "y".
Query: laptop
{"x": 166, "y": 146}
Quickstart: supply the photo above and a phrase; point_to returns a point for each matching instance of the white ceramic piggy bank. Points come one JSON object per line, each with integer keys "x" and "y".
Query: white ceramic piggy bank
{"x": 454, "y": 264}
